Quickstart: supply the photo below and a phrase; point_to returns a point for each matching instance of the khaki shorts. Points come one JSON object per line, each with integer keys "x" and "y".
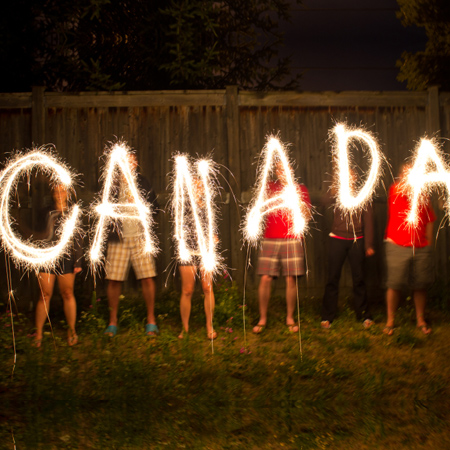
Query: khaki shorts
{"x": 122, "y": 254}
{"x": 281, "y": 255}
{"x": 408, "y": 266}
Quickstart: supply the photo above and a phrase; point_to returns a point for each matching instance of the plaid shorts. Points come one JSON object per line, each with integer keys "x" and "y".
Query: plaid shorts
{"x": 284, "y": 254}
{"x": 122, "y": 254}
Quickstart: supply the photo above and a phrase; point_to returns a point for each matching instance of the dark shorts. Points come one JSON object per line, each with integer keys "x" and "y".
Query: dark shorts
{"x": 63, "y": 266}
{"x": 281, "y": 255}
{"x": 408, "y": 266}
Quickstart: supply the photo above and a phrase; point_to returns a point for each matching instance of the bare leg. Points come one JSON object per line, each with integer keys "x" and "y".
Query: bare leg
{"x": 291, "y": 297}
{"x": 392, "y": 300}
{"x": 113, "y": 291}
{"x": 66, "y": 283}
{"x": 209, "y": 304}
{"x": 420, "y": 300}
{"x": 264, "y": 291}
{"x": 187, "y": 289}
{"x": 148, "y": 291}
{"x": 46, "y": 285}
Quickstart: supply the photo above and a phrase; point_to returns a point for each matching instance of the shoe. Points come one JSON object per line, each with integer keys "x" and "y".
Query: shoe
{"x": 292, "y": 327}
{"x": 367, "y": 323}
{"x": 388, "y": 331}
{"x": 211, "y": 336}
{"x": 258, "y": 329}
{"x": 425, "y": 329}
{"x": 151, "y": 329}
{"x": 111, "y": 331}
{"x": 325, "y": 324}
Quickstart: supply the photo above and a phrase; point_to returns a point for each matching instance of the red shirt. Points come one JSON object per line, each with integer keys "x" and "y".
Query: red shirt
{"x": 279, "y": 222}
{"x": 397, "y": 229}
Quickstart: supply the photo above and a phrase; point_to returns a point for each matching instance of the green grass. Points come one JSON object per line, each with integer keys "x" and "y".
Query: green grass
{"x": 340, "y": 389}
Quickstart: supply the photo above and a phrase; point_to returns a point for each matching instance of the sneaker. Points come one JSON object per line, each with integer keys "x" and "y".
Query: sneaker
{"x": 325, "y": 324}
{"x": 367, "y": 324}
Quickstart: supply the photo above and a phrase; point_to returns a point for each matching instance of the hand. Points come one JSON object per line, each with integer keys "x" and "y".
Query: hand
{"x": 370, "y": 252}
{"x": 76, "y": 270}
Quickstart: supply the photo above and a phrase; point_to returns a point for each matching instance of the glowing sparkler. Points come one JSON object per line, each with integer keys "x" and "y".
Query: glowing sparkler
{"x": 345, "y": 196}
{"x": 34, "y": 256}
{"x": 199, "y": 218}
{"x": 137, "y": 209}
{"x": 290, "y": 199}
{"x": 421, "y": 178}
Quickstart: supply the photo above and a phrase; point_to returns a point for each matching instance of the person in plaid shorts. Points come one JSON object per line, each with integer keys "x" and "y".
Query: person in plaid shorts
{"x": 281, "y": 253}
{"x": 125, "y": 249}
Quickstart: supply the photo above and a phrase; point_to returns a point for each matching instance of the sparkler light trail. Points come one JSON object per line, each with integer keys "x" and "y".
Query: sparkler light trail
{"x": 422, "y": 178}
{"x": 344, "y": 183}
{"x": 25, "y": 253}
{"x": 289, "y": 199}
{"x": 194, "y": 213}
{"x": 118, "y": 161}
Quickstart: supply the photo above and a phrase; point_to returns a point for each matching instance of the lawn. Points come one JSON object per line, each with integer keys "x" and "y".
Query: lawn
{"x": 346, "y": 388}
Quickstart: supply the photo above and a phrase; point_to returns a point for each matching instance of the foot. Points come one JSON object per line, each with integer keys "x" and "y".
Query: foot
{"x": 388, "y": 330}
{"x": 182, "y": 334}
{"x": 211, "y": 335}
{"x": 367, "y": 323}
{"x": 292, "y": 327}
{"x": 424, "y": 328}
{"x": 37, "y": 343}
{"x": 258, "y": 329}
{"x": 72, "y": 339}
{"x": 151, "y": 329}
{"x": 325, "y": 324}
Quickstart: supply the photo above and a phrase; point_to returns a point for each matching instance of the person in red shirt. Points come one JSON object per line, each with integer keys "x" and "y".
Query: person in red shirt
{"x": 408, "y": 253}
{"x": 281, "y": 251}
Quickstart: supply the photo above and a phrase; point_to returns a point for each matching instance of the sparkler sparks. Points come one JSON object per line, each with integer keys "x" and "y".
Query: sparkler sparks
{"x": 27, "y": 254}
{"x": 421, "y": 178}
{"x": 346, "y": 197}
{"x": 195, "y": 213}
{"x": 136, "y": 209}
{"x": 289, "y": 199}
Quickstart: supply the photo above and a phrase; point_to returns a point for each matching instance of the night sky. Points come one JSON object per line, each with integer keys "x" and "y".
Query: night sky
{"x": 349, "y": 44}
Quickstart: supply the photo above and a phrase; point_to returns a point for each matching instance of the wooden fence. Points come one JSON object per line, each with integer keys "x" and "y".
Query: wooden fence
{"x": 232, "y": 126}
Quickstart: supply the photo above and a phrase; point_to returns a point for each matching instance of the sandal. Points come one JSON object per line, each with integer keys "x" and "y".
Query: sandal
{"x": 292, "y": 327}
{"x": 425, "y": 329}
{"x": 72, "y": 340}
{"x": 111, "y": 331}
{"x": 151, "y": 329}
{"x": 325, "y": 324}
{"x": 37, "y": 343}
{"x": 388, "y": 331}
{"x": 367, "y": 323}
{"x": 211, "y": 336}
{"x": 258, "y": 329}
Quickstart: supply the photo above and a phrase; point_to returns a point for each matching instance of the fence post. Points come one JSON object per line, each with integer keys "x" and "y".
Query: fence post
{"x": 234, "y": 164}
{"x": 433, "y": 113}
{"x": 38, "y": 113}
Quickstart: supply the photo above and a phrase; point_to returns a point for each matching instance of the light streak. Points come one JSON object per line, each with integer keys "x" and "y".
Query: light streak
{"x": 138, "y": 209}
{"x": 200, "y": 217}
{"x": 346, "y": 198}
{"x": 289, "y": 199}
{"x": 420, "y": 179}
{"x": 25, "y": 253}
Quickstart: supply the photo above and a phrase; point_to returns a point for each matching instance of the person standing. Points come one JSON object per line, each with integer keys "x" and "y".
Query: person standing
{"x": 408, "y": 253}
{"x": 281, "y": 253}
{"x": 125, "y": 249}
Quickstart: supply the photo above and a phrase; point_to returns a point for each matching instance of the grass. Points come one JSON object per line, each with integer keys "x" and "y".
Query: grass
{"x": 346, "y": 389}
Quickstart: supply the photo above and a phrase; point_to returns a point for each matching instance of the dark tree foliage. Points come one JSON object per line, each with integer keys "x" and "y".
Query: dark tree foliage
{"x": 430, "y": 67}
{"x": 145, "y": 44}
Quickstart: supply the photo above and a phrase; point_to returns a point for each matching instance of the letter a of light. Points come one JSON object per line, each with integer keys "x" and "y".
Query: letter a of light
{"x": 203, "y": 225}
{"x": 345, "y": 197}
{"x": 138, "y": 210}
{"x": 289, "y": 199}
{"x": 25, "y": 254}
{"x": 419, "y": 180}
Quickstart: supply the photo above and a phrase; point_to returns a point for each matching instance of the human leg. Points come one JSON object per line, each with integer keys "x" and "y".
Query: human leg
{"x": 392, "y": 301}
{"x": 113, "y": 292}
{"x": 337, "y": 252}
{"x": 207, "y": 286}
{"x": 46, "y": 284}
{"x": 187, "y": 274}
{"x": 264, "y": 290}
{"x": 148, "y": 291}
{"x": 291, "y": 300}
{"x": 66, "y": 283}
{"x": 357, "y": 259}
{"x": 420, "y": 300}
